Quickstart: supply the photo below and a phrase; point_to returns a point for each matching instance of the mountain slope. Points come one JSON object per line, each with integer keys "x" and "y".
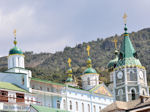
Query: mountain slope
{"x": 54, "y": 66}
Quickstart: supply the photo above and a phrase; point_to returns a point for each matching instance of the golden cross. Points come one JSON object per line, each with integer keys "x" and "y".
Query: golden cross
{"x": 115, "y": 42}
{"x": 15, "y": 32}
{"x": 125, "y": 18}
{"x": 88, "y": 50}
{"x": 69, "y": 62}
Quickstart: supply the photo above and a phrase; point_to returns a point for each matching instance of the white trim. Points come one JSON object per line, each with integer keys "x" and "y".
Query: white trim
{"x": 133, "y": 89}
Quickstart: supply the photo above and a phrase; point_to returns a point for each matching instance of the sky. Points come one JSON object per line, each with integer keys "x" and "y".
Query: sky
{"x": 51, "y": 25}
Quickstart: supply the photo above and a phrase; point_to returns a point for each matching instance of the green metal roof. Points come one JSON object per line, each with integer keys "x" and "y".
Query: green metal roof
{"x": 90, "y": 70}
{"x": 9, "y": 86}
{"x": 112, "y": 62}
{"x": 127, "y": 52}
{"x": 46, "y": 109}
{"x": 46, "y": 81}
{"x": 15, "y": 50}
{"x": 69, "y": 79}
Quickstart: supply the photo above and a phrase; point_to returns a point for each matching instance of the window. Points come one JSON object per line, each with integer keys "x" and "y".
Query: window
{"x": 88, "y": 81}
{"x": 133, "y": 94}
{"x": 33, "y": 87}
{"x": 132, "y": 78}
{"x": 19, "y": 97}
{"x": 120, "y": 94}
{"x": 100, "y": 109}
{"x": 76, "y": 106}
{"x": 58, "y": 104}
{"x": 40, "y": 88}
{"x": 94, "y": 108}
{"x": 22, "y": 80}
{"x": 64, "y": 102}
{"x": 88, "y": 107}
{"x": 70, "y": 105}
{"x": 95, "y": 80}
{"x": 82, "y": 107}
{"x": 27, "y": 99}
{"x": 3, "y": 96}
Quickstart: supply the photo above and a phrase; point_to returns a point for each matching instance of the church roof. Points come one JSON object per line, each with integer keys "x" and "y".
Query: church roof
{"x": 46, "y": 81}
{"x": 131, "y": 105}
{"x": 128, "y": 55}
{"x": 101, "y": 89}
{"x": 9, "y": 86}
{"x": 15, "y": 50}
{"x": 46, "y": 109}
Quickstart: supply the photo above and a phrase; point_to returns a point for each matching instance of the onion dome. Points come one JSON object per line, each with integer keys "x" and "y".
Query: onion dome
{"x": 90, "y": 70}
{"x": 89, "y": 63}
{"x": 15, "y": 50}
{"x": 112, "y": 63}
{"x": 69, "y": 72}
{"x": 69, "y": 78}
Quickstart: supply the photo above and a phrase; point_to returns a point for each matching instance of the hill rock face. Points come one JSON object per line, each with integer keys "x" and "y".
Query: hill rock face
{"x": 54, "y": 66}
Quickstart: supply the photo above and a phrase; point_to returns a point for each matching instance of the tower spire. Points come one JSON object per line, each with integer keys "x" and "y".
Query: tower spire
{"x": 69, "y": 72}
{"x": 15, "y": 41}
{"x": 127, "y": 55}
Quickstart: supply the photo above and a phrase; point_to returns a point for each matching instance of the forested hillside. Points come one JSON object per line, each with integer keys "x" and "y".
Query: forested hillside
{"x": 53, "y": 66}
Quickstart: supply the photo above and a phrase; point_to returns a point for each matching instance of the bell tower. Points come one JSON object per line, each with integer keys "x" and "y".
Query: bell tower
{"x": 16, "y": 57}
{"x": 129, "y": 76}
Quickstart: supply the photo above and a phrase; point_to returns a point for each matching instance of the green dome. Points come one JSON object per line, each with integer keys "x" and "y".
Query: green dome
{"x": 15, "y": 50}
{"x": 90, "y": 70}
{"x": 112, "y": 62}
{"x": 69, "y": 79}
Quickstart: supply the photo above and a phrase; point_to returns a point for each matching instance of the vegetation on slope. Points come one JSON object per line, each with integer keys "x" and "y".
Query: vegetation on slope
{"x": 54, "y": 66}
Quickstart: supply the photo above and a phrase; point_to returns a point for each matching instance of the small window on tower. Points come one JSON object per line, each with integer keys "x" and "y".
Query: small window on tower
{"x": 120, "y": 56}
{"x": 135, "y": 55}
{"x": 22, "y": 80}
{"x": 88, "y": 81}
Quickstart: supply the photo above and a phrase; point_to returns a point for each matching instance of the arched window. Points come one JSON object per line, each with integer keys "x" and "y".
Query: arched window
{"x": 94, "y": 108}
{"x": 58, "y": 104}
{"x": 120, "y": 92}
{"x": 64, "y": 103}
{"x": 88, "y": 107}
{"x": 77, "y": 106}
{"x": 132, "y": 78}
{"x": 82, "y": 107}
{"x": 88, "y": 81}
{"x": 132, "y": 94}
{"x": 70, "y": 105}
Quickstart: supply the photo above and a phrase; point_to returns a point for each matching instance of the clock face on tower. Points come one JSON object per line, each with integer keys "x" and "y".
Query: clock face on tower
{"x": 119, "y": 75}
{"x": 141, "y": 75}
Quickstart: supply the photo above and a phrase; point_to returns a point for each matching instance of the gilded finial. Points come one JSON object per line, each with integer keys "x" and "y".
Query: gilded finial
{"x": 15, "y": 32}
{"x": 125, "y": 18}
{"x": 15, "y": 42}
{"x": 88, "y": 50}
{"x": 115, "y": 42}
{"x": 69, "y": 62}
